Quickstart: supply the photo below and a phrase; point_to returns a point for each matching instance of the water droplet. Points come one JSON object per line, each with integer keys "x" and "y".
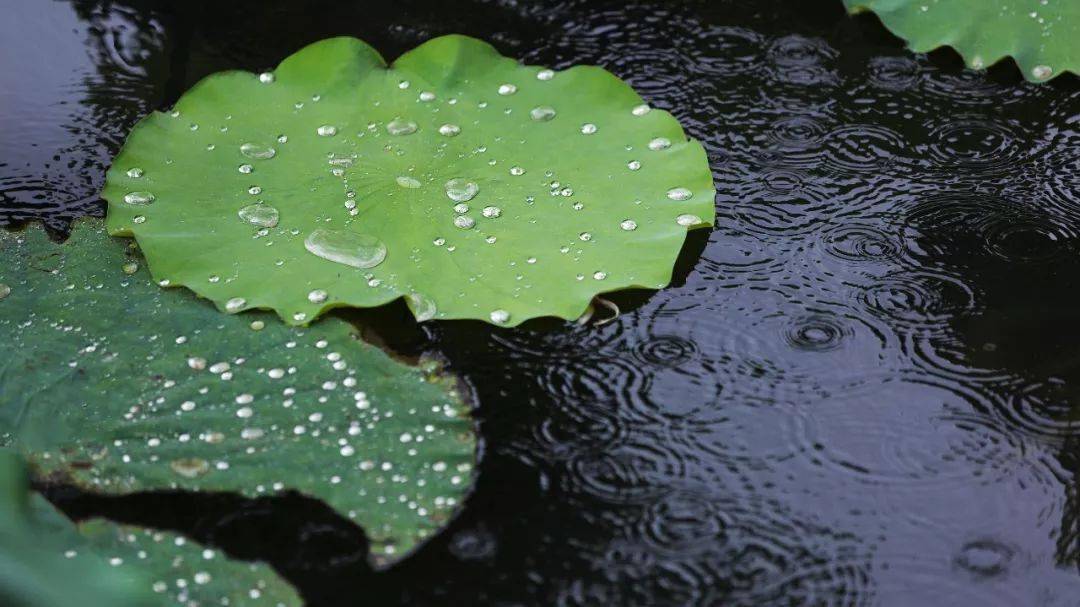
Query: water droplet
{"x": 449, "y": 130}
{"x": 427, "y": 96}
{"x": 1042, "y": 72}
{"x": 404, "y": 84}
{"x": 317, "y": 296}
{"x": 641, "y": 110}
{"x": 500, "y": 316}
{"x": 680, "y": 194}
{"x": 490, "y": 239}
{"x": 245, "y": 168}
{"x": 588, "y": 128}
{"x": 507, "y": 89}
{"x": 439, "y": 242}
{"x": 266, "y": 77}
{"x": 628, "y": 224}
{"x": 423, "y": 307}
{"x": 542, "y": 113}
{"x": 257, "y": 325}
{"x": 545, "y": 75}
{"x": 299, "y": 316}
{"x": 407, "y": 182}
{"x": 283, "y": 139}
{"x": 492, "y": 212}
{"x": 139, "y": 198}
{"x": 517, "y": 171}
{"x": 135, "y": 172}
{"x": 4, "y": 290}
{"x": 190, "y": 467}
{"x": 599, "y": 275}
{"x": 255, "y": 190}
{"x": 687, "y": 219}
{"x": 259, "y": 152}
{"x": 464, "y": 222}
{"x": 633, "y": 165}
{"x": 585, "y": 236}
{"x": 399, "y": 127}
{"x": 660, "y": 143}
{"x": 129, "y": 268}
{"x": 326, "y": 130}
{"x": 262, "y": 215}
{"x": 461, "y": 190}
{"x": 461, "y": 208}
{"x": 138, "y": 219}
{"x": 347, "y": 248}
{"x": 235, "y": 304}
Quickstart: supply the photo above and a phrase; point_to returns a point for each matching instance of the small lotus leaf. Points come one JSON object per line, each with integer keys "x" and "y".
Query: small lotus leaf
{"x": 1042, "y": 36}
{"x": 46, "y": 561}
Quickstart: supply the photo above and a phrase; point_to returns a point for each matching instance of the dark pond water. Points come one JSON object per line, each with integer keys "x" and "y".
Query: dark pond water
{"x": 864, "y": 388}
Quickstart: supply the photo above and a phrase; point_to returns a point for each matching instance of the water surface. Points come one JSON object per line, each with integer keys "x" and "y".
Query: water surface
{"x": 861, "y": 389}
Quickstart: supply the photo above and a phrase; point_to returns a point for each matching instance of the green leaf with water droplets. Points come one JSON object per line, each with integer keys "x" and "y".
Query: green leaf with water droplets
{"x": 458, "y": 179}
{"x": 121, "y": 386}
{"x": 1043, "y": 36}
{"x": 46, "y": 561}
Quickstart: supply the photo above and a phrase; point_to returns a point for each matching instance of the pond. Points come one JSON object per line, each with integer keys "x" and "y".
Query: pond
{"x": 861, "y": 388}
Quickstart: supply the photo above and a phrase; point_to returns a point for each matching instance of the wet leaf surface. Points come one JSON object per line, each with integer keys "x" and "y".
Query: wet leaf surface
{"x": 1041, "y": 36}
{"x": 470, "y": 185}
{"x": 48, "y": 561}
{"x": 121, "y": 386}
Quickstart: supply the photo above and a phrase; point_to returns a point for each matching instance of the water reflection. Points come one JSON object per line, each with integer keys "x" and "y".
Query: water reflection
{"x": 863, "y": 392}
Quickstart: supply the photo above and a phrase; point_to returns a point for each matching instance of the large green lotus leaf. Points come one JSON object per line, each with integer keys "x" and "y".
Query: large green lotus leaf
{"x": 461, "y": 180}
{"x": 46, "y": 561}
{"x": 1042, "y": 35}
{"x": 122, "y": 386}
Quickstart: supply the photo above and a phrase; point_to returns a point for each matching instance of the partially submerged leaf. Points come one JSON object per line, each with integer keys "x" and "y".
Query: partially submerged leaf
{"x": 1042, "y": 36}
{"x": 461, "y": 180}
{"x": 46, "y": 561}
{"x": 122, "y": 386}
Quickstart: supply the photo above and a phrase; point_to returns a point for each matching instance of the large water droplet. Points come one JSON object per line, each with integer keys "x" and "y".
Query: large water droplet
{"x": 545, "y": 75}
{"x": 407, "y": 182}
{"x": 317, "y": 296}
{"x": 542, "y": 113}
{"x": 680, "y": 194}
{"x": 423, "y": 307}
{"x": 262, "y": 215}
{"x": 260, "y": 152}
{"x": 347, "y": 248}
{"x": 4, "y": 290}
{"x": 235, "y": 304}
{"x": 464, "y": 222}
{"x": 633, "y": 165}
{"x": 135, "y": 172}
{"x": 266, "y": 77}
{"x": 688, "y": 219}
{"x": 326, "y": 130}
{"x": 1042, "y": 72}
{"x": 628, "y": 224}
{"x": 449, "y": 130}
{"x": 507, "y": 89}
{"x": 190, "y": 467}
{"x": 245, "y": 169}
{"x": 461, "y": 190}
{"x": 588, "y": 128}
{"x": 401, "y": 127}
{"x": 660, "y": 143}
{"x": 517, "y": 171}
{"x": 139, "y": 198}
{"x": 500, "y": 316}
{"x": 641, "y": 110}
{"x": 492, "y": 212}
